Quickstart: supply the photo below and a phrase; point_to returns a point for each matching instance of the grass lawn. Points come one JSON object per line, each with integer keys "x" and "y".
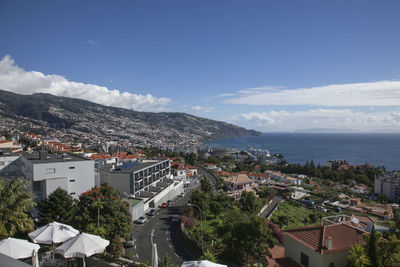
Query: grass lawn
{"x": 297, "y": 215}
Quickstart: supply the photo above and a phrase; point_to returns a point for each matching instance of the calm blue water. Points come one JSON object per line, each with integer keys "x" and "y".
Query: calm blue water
{"x": 376, "y": 149}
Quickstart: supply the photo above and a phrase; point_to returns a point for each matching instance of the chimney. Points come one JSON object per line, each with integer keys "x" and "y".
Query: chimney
{"x": 328, "y": 243}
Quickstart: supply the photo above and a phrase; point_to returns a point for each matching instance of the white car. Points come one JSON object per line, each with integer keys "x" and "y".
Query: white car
{"x": 141, "y": 220}
{"x": 182, "y": 194}
{"x": 130, "y": 243}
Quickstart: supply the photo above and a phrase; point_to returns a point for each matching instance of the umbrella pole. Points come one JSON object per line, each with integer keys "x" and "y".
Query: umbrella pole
{"x": 84, "y": 262}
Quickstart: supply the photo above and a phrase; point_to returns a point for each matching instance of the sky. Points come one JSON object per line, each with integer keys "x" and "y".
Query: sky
{"x": 273, "y": 66}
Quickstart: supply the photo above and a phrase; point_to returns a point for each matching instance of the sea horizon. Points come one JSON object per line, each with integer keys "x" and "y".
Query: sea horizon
{"x": 378, "y": 149}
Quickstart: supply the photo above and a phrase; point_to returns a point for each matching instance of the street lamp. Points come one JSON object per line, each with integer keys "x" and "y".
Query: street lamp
{"x": 201, "y": 220}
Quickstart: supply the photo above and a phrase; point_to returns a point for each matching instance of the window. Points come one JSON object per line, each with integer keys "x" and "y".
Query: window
{"x": 72, "y": 167}
{"x": 331, "y": 264}
{"x": 72, "y": 181}
{"x": 50, "y": 170}
{"x": 304, "y": 259}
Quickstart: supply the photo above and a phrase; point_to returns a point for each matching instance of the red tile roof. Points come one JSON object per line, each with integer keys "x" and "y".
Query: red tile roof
{"x": 99, "y": 156}
{"x": 190, "y": 167}
{"x": 4, "y": 141}
{"x": 343, "y": 235}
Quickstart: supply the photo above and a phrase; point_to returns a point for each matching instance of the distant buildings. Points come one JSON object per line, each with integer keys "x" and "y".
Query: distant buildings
{"x": 337, "y": 164}
{"x": 388, "y": 184}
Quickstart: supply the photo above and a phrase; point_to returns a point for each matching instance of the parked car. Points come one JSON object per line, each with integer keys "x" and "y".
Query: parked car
{"x": 152, "y": 212}
{"x": 182, "y": 194}
{"x": 169, "y": 202}
{"x": 321, "y": 208}
{"x": 174, "y": 218}
{"x": 164, "y": 205}
{"x": 130, "y": 243}
{"x": 141, "y": 220}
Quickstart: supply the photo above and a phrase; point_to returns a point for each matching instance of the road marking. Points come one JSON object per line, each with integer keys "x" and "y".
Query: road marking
{"x": 152, "y": 234}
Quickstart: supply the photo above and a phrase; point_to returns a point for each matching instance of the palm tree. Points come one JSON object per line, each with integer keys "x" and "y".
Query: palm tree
{"x": 15, "y": 203}
{"x": 97, "y": 203}
{"x": 358, "y": 257}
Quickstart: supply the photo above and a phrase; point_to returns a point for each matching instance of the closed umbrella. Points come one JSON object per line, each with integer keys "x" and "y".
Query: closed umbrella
{"x": 17, "y": 248}
{"x": 154, "y": 256}
{"x": 82, "y": 245}
{"x": 53, "y": 233}
{"x": 35, "y": 259}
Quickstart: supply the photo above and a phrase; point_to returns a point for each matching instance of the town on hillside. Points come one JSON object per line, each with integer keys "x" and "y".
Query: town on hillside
{"x": 167, "y": 206}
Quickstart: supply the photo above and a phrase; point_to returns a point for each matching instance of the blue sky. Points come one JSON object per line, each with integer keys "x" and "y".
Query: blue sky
{"x": 268, "y": 65}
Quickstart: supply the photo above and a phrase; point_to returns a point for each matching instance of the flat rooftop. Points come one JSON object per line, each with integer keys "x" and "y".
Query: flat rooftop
{"x": 133, "y": 166}
{"x": 132, "y": 201}
{"x": 44, "y": 157}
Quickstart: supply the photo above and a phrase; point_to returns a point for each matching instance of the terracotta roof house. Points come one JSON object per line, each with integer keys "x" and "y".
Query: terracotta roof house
{"x": 238, "y": 182}
{"x": 322, "y": 245}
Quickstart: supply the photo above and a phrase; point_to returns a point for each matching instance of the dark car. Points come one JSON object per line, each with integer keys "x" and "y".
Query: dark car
{"x": 152, "y": 212}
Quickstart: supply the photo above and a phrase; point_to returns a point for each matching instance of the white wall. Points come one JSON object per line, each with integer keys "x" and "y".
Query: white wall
{"x": 75, "y": 177}
{"x": 294, "y": 248}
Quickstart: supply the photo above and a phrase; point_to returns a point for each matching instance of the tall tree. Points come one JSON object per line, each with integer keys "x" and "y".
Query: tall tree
{"x": 358, "y": 257}
{"x": 58, "y": 206}
{"x": 249, "y": 202}
{"x": 206, "y": 186}
{"x": 265, "y": 192}
{"x": 248, "y": 239}
{"x": 114, "y": 218}
{"x": 372, "y": 248}
{"x": 15, "y": 203}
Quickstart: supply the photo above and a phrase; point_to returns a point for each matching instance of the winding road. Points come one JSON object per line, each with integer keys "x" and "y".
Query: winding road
{"x": 160, "y": 229}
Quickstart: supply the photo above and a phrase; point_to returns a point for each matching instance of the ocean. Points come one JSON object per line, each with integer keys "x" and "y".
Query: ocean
{"x": 376, "y": 149}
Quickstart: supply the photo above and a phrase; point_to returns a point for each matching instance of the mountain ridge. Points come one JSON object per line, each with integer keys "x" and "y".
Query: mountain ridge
{"x": 82, "y": 119}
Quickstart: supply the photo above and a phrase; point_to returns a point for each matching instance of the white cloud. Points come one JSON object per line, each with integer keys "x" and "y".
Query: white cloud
{"x": 380, "y": 93}
{"x": 202, "y": 109}
{"x": 327, "y": 119}
{"x": 17, "y": 80}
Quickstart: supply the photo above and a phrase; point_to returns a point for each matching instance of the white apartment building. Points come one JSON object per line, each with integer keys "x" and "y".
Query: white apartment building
{"x": 388, "y": 184}
{"x": 47, "y": 172}
{"x": 149, "y": 180}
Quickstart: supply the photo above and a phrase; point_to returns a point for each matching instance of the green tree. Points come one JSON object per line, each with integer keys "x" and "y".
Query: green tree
{"x": 216, "y": 208}
{"x": 206, "y": 186}
{"x": 358, "y": 257}
{"x": 266, "y": 192}
{"x": 388, "y": 249}
{"x": 249, "y": 202}
{"x": 15, "y": 203}
{"x": 114, "y": 217}
{"x": 208, "y": 255}
{"x": 248, "y": 239}
{"x": 7, "y": 135}
{"x": 372, "y": 248}
{"x": 58, "y": 206}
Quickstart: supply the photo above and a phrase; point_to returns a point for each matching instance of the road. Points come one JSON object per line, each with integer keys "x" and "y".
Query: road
{"x": 160, "y": 230}
{"x": 208, "y": 175}
{"x": 275, "y": 201}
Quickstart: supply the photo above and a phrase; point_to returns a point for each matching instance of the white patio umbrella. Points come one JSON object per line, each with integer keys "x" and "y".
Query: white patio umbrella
{"x": 82, "y": 245}
{"x": 204, "y": 263}
{"x": 154, "y": 256}
{"x": 53, "y": 233}
{"x": 17, "y": 248}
